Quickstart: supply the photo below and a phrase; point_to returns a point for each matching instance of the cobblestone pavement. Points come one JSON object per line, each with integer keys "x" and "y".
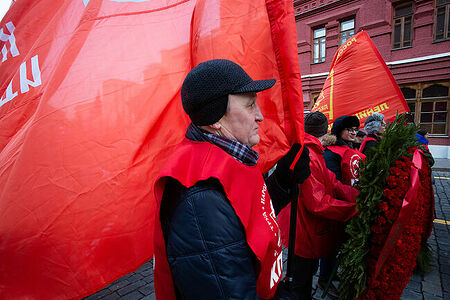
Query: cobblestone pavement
{"x": 434, "y": 285}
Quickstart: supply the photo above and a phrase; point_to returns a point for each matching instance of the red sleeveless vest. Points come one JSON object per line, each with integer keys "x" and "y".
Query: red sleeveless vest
{"x": 244, "y": 186}
{"x": 349, "y": 162}
{"x": 363, "y": 144}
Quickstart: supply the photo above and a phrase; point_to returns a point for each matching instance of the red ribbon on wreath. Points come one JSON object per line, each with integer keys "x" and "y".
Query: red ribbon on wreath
{"x": 405, "y": 214}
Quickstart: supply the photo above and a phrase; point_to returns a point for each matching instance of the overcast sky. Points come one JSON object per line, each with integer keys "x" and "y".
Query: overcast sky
{"x": 4, "y": 5}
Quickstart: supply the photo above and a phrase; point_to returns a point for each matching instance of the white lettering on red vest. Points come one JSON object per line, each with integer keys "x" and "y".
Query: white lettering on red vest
{"x": 277, "y": 270}
{"x": 263, "y": 194}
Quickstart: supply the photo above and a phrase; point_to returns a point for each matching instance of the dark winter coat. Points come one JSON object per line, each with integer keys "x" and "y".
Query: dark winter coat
{"x": 324, "y": 205}
{"x": 333, "y": 160}
{"x": 370, "y": 144}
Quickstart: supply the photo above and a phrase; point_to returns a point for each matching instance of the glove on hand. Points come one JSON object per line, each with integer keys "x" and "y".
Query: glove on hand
{"x": 283, "y": 292}
{"x": 288, "y": 178}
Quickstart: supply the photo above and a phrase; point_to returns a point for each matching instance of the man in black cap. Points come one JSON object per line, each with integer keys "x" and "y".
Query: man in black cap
{"x": 216, "y": 235}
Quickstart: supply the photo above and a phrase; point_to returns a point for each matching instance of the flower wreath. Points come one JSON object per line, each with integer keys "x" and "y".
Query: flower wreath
{"x": 395, "y": 216}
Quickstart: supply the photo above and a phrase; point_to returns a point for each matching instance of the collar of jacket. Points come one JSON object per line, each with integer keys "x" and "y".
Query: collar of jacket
{"x": 341, "y": 142}
{"x": 237, "y": 150}
{"x": 372, "y": 135}
{"x": 313, "y": 142}
{"x": 332, "y": 140}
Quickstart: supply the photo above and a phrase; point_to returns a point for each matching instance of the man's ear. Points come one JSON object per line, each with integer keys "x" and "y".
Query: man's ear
{"x": 211, "y": 128}
{"x": 215, "y": 126}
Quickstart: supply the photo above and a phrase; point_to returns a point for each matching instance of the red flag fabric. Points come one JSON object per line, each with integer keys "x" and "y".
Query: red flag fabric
{"x": 359, "y": 83}
{"x": 90, "y": 110}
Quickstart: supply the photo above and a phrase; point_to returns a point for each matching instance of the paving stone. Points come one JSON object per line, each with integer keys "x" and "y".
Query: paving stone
{"x": 445, "y": 269}
{"x": 131, "y": 287}
{"x": 113, "y": 296}
{"x": 434, "y": 263}
{"x": 432, "y": 288}
{"x": 444, "y": 253}
{"x": 410, "y": 295}
{"x": 442, "y": 234}
{"x": 442, "y": 237}
{"x": 432, "y": 276}
{"x": 136, "y": 276}
{"x": 100, "y": 294}
{"x": 443, "y": 245}
{"x": 442, "y": 228}
{"x": 148, "y": 279}
{"x": 145, "y": 267}
{"x": 446, "y": 282}
{"x": 444, "y": 260}
{"x": 126, "y": 276}
{"x": 427, "y": 296}
{"x": 150, "y": 297}
{"x": 147, "y": 289}
{"x": 118, "y": 284}
{"x": 315, "y": 281}
{"x": 416, "y": 277}
{"x": 414, "y": 286}
{"x": 132, "y": 296}
{"x": 147, "y": 272}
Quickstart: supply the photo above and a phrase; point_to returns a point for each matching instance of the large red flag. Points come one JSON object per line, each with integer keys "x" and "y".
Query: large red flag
{"x": 359, "y": 83}
{"x": 90, "y": 110}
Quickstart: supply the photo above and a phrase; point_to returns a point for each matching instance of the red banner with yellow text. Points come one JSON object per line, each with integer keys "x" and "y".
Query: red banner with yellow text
{"x": 359, "y": 83}
{"x": 90, "y": 110}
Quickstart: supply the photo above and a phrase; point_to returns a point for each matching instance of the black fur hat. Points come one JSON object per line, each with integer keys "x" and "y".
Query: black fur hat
{"x": 344, "y": 122}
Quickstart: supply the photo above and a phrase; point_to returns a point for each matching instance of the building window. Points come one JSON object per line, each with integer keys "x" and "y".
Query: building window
{"x": 402, "y": 29}
{"x": 411, "y": 99}
{"x": 442, "y": 24}
{"x": 314, "y": 97}
{"x": 347, "y": 30}
{"x": 429, "y": 104}
{"x": 319, "y": 45}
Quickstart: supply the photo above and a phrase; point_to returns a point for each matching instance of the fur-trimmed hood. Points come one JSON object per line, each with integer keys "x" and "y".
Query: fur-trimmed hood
{"x": 332, "y": 140}
{"x": 329, "y": 140}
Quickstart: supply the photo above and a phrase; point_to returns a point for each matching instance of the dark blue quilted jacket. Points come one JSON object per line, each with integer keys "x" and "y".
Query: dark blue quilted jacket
{"x": 205, "y": 242}
{"x": 206, "y": 247}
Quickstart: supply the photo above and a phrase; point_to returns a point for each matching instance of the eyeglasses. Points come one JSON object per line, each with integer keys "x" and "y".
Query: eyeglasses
{"x": 352, "y": 129}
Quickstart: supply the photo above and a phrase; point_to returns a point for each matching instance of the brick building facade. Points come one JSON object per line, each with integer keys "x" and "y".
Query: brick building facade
{"x": 413, "y": 37}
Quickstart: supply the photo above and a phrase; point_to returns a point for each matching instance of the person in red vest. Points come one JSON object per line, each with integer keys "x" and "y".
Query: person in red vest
{"x": 324, "y": 204}
{"x": 343, "y": 161}
{"x": 374, "y": 126}
{"x": 216, "y": 234}
{"x": 339, "y": 155}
